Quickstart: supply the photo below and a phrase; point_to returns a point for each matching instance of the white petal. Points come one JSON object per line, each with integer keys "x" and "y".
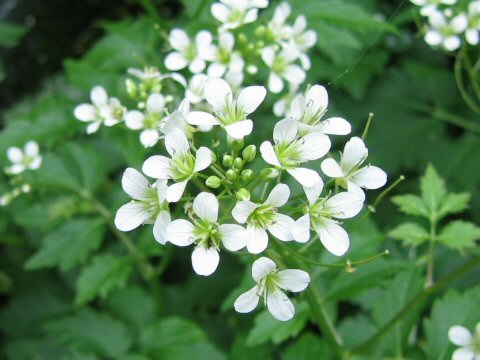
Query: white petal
{"x": 336, "y": 126}
{"x": 216, "y": 70}
{"x": 345, "y": 205}
{"x": 179, "y": 39}
{"x": 36, "y": 162}
{"x": 317, "y": 98}
{"x": 282, "y": 227}
{"x": 459, "y": 335}
{"x": 268, "y": 56}
{"x": 134, "y": 120}
{"x": 306, "y": 177}
{"x": 176, "y": 143}
{"x": 294, "y": 74}
{"x": 160, "y": 227}
{"x": 16, "y": 168}
{"x": 218, "y": 93}
{"x": 463, "y": 354}
{"x": 99, "y": 96}
{"x": 205, "y": 206}
{"x": 433, "y": 38}
{"x": 459, "y": 23}
{"x": 313, "y": 192}
{"x": 293, "y": 280}
{"x": 314, "y": 146}
{"x": 280, "y": 305}
{"x": 197, "y": 65}
{"x": 84, "y": 112}
{"x": 275, "y": 83}
{"x": 155, "y": 103}
{"x": 14, "y": 154}
{"x": 135, "y": 184}
{"x": 354, "y": 153}
{"x": 203, "y": 159}
{"x": 203, "y": 39}
{"x": 131, "y": 216}
{"x": 278, "y": 196}
{"x": 452, "y": 43}
{"x": 180, "y": 232}
{"x": 257, "y": 239}
{"x": 472, "y": 36}
{"x": 247, "y": 301}
{"x": 369, "y": 177}
{"x": 301, "y": 229}
{"x": 262, "y": 267}
{"x": 285, "y": 131}
{"x": 234, "y": 237}
{"x": 250, "y": 98}
{"x": 175, "y": 61}
{"x": 149, "y": 137}
{"x": 226, "y": 41}
{"x": 268, "y": 154}
{"x": 31, "y": 148}
{"x": 242, "y": 211}
{"x": 331, "y": 168}
{"x": 175, "y": 191}
{"x": 201, "y": 118}
{"x": 333, "y": 237}
{"x": 205, "y": 260}
{"x": 220, "y": 12}
{"x": 250, "y": 16}
{"x": 93, "y": 127}
{"x": 239, "y": 129}
{"x": 158, "y": 167}
{"x": 297, "y": 108}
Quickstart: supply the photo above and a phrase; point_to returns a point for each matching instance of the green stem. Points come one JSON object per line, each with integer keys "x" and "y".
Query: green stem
{"x": 367, "y": 127}
{"x": 384, "y": 193}
{"x": 461, "y": 85}
{"x": 431, "y": 254}
{"x": 415, "y": 301}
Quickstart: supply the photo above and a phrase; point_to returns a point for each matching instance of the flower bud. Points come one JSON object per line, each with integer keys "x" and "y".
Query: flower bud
{"x": 238, "y": 163}
{"x": 246, "y": 175}
{"x": 213, "y": 182}
{"x": 243, "y": 194}
{"x": 227, "y": 160}
{"x": 231, "y": 175}
{"x": 269, "y": 174}
{"x": 249, "y": 153}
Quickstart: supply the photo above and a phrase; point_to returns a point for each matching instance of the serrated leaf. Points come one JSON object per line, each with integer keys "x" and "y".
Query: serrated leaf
{"x": 92, "y": 331}
{"x": 102, "y": 275}
{"x": 459, "y": 235}
{"x": 69, "y": 245}
{"x": 411, "y": 234}
{"x": 453, "y": 203}
{"x": 411, "y": 205}
{"x": 433, "y": 190}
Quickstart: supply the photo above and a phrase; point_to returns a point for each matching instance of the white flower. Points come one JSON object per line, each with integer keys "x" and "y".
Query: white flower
{"x": 225, "y": 58}
{"x": 234, "y": 13}
{"x": 348, "y": 174}
{"x": 309, "y": 109}
{"x": 322, "y": 214}
{"x": 445, "y": 32}
{"x": 178, "y": 119}
{"x": 195, "y": 90}
{"x": 277, "y": 28}
{"x": 188, "y": 53}
{"x": 28, "y": 159}
{"x": 207, "y": 234}
{"x": 148, "y": 205}
{"x": 290, "y": 151}
{"x": 282, "y": 67}
{"x": 270, "y": 283}
{"x": 103, "y": 109}
{"x": 470, "y": 345}
{"x": 472, "y": 33}
{"x": 150, "y": 121}
{"x": 229, "y": 112}
{"x": 262, "y": 217}
{"x": 303, "y": 39}
{"x": 430, "y": 6}
{"x": 181, "y": 167}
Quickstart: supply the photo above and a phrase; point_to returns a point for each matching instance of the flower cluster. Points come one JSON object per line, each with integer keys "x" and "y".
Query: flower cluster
{"x": 448, "y": 20}
{"x": 469, "y": 344}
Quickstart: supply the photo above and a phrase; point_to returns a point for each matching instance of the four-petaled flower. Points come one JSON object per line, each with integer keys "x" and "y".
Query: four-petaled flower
{"x": 207, "y": 234}
{"x": 226, "y": 59}
{"x": 470, "y": 345}
{"x": 270, "y": 283}
{"x": 445, "y": 32}
{"x": 28, "y": 159}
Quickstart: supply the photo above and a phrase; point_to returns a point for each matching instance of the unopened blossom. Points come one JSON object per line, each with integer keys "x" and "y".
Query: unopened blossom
{"x": 150, "y": 120}
{"x": 180, "y": 167}
{"x": 229, "y": 112}
{"x": 27, "y": 159}
{"x": 225, "y": 58}
{"x": 290, "y": 151}
{"x": 234, "y": 13}
{"x": 430, "y": 6}
{"x": 262, "y": 217}
{"x": 281, "y": 64}
{"x": 469, "y": 344}
{"x": 187, "y": 53}
{"x": 349, "y": 174}
{"x": 270, "y": 285}
{"x": 195, "y": 89}
{"x": 102, "y": 110}
{"x": 207, "y": 234}
{"x": 445, "y": 32}
{"x": 322, "y": 215}
{"x": 148, "y": 205}
{"x": 472, "y": 32}
{"x": 308, "y": 110}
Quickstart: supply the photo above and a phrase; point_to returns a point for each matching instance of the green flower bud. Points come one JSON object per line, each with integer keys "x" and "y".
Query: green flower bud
{"x": 249, "y": 153}
{"x": 243, "y": 194}
{"x": 231, "y": 175}
{"x": 246, "y": 175}
{"x": 260, "y": 31}
{"x": 238, "y": 163}
{"x": 269, "y": 174}
{"x": 227, "y": 160}
{"x": 213, "y": 182}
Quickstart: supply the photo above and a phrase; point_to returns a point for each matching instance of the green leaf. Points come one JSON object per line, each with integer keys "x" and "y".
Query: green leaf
{"x": 459, "y": 235}
{"x": 307, "y": 347}
{"x": 328, "y": 34}
{"x": 92, "y": 331}
{"x": 69, "y": 245}
{"x": 411, "y": 205}
{"x": 104, "y": 273}
{"x": 433, "y": 190}
{"x": 453, "y": 203}
{"x": 241, "y": 351}
{"x": 356, "y": 329}
{"x": 10, "y": 33}
{"x": 411, "y": 234}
